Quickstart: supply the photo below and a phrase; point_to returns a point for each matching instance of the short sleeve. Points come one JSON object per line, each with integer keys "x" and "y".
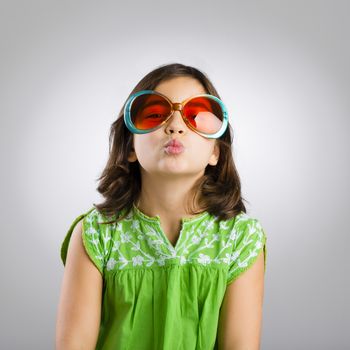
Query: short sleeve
{"x": 92, "y": 236}
{"x": 249, "y": 241}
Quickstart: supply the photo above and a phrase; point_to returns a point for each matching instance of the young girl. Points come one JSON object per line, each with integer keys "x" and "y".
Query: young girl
{"x": 170, "y": 260}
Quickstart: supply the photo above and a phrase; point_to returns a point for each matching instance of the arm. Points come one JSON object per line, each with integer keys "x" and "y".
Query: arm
{"x": 241, "y": 312}
{"x": 79, "y": 309}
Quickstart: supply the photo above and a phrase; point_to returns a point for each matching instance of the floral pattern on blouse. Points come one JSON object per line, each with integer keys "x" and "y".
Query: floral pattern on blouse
{"x": 139, "y": 242}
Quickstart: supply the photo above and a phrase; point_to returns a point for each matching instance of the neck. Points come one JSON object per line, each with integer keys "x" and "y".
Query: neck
{"x": 166, "y": 197}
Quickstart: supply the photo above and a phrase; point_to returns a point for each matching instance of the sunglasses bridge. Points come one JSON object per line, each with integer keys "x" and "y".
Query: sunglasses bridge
{"x": 176, "y": 107}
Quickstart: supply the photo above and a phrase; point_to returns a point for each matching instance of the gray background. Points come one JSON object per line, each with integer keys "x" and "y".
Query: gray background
{"x": 282, "y": 68}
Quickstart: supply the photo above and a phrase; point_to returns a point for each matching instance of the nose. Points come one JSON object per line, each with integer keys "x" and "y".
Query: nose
{"x": 176, "y": 124}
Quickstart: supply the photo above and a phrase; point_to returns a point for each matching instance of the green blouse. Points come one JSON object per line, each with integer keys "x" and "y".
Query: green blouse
{"x": 160, "y": 296}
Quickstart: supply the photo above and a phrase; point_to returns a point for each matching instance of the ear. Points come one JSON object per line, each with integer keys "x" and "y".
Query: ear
{"x": 132, "y": 157}
{"x": 214, "y": 158}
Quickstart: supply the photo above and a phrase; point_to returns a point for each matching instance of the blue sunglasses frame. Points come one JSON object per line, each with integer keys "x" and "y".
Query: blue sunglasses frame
{"x": 174, "y": 107}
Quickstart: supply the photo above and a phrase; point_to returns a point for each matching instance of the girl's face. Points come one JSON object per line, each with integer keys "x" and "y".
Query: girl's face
{"x": 198, "y": 151}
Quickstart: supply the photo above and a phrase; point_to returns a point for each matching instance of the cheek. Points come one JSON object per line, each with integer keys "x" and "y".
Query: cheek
{"x": 203, "y": 149}
{"x": 145, "y": 145}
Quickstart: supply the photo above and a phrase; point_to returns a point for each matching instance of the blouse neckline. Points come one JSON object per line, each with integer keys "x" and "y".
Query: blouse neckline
{"x": 156, "y": 218}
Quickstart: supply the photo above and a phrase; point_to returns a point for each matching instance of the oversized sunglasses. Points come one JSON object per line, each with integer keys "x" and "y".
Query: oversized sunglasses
{"x": 147, "y": 110}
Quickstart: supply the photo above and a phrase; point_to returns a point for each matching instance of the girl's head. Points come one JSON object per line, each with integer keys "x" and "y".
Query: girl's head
{"x": 131, "y": 156}
{"x": 149, "y": 148}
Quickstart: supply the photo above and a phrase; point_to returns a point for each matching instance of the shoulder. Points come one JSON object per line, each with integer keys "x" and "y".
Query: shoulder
{"x": 95, "y": 221}
{"x": 245, "y": 229}
{"x": 90, "y": 229}
{"x": 76, "y": 227}
{"x": 240, "y": 222}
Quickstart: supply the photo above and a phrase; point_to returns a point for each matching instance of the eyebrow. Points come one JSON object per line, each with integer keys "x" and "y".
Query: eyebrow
{"x": 151, "y": 103}
{"x": 199, "y": 104}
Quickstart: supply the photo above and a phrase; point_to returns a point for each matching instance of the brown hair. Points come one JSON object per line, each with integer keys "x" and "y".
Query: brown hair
{"x": 219, "y": 189}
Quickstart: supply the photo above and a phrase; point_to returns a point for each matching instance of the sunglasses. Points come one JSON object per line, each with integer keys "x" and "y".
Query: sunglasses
{"x": 147, "y": 110}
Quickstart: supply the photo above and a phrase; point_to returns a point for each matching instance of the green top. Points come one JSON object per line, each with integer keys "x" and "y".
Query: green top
{"x": 160, "y": 296}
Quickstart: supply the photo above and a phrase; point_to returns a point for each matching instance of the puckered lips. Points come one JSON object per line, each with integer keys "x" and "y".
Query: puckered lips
{"x": 174, "y": 146}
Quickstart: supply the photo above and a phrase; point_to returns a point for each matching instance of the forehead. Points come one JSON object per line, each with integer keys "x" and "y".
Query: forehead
{"x": 179, "y": 89}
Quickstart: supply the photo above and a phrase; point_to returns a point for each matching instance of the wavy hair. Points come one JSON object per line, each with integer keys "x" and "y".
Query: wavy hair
{"x": 218, "y": 191}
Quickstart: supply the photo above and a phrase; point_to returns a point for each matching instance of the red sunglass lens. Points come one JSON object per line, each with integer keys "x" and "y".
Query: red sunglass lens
{"x": 148, "y": 111}
{"x": 204, "y": 114}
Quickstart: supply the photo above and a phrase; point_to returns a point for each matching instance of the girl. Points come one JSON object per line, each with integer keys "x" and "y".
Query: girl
{"x": 170, "y": 260}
